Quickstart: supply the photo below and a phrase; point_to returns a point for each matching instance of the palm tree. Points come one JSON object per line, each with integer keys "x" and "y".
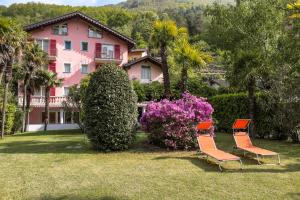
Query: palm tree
{"x": 49, "y": 80}
{"x": 34, "y": 59}
{"x": 189, "y": 57}
{"x": 12, "y": 38}
{"x": 163, "y": 34}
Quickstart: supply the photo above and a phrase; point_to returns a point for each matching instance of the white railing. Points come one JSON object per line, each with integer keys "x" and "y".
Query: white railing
{"x": 39, "y": 101}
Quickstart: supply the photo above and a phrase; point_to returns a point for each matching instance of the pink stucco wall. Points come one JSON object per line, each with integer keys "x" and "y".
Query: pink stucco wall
{"x": 77, "y": 32}
{"x": 134, "y": 72}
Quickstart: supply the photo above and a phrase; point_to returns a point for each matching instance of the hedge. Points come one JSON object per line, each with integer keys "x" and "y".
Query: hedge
{"x": 154, "y": 91}
{"x": 228, "y": 107}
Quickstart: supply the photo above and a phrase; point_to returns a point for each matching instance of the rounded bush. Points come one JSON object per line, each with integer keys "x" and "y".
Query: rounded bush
{"x": 110, "y": 108}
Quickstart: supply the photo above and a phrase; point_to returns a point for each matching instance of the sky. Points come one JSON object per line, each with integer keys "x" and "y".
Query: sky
{"x": 65, "y": 2}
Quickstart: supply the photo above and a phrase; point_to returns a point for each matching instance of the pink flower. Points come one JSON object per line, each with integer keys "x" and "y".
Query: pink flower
{"x": 172, "y": 123}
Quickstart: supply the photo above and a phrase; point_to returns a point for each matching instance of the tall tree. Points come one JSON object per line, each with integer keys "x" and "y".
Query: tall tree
{"x": 49, "y": 80}
{"x": 164, "y": 33}
{"x": 11, "y": 41}
{"x": 189, "y": 57}
{"x": 34, "y": 59}
{"x": 249, "y": 33}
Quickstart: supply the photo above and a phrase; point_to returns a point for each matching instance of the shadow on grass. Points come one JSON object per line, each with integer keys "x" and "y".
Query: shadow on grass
{"x": 212, "y": 166}
{"x": 45, "y": 133}
{"x": 293, "y": 195}
{"x": 44, "y": 147}
{"x": 73, "y": 197}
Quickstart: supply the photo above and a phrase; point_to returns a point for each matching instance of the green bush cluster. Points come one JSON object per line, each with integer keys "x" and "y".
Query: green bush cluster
{"x": 271, "y": 121}
{"x": 227, "y": 108}
{"x": 110, "y": 107}
{"x": 154, "y": 91}
{"x": 148, "y": 91}
{"x": 11, "y": 118}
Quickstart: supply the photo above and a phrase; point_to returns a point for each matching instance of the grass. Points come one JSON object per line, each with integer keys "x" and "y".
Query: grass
{"x": 60, "y": 165}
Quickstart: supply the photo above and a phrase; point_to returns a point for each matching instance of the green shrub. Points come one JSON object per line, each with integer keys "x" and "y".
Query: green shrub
{"x": 200, "y": 89}
{"x": 17, "y": 121}
{"x": 154, "y": 91}
{"x": 227, "y": 108}
{"x": 140, "y": 91}
{"x": 269, "y": 120}
{"x": 10, "y": 118}
{"x": 148, "y": 91}
{"x": 110, "y": 107}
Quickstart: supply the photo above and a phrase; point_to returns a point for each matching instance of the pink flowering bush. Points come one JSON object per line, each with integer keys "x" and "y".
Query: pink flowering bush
{"x": 171, "y": 124}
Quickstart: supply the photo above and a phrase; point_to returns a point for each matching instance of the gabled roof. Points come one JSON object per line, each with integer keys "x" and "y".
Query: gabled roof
{"x": 82, "y": 16}
{"x": 145, "y": 58}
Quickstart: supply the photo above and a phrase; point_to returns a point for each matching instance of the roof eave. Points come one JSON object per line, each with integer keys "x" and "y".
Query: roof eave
{"x": 48, "y": 22}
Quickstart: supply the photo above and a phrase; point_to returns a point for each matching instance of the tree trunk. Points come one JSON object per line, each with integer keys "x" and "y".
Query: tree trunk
{"x": 23, "y": 106}
{"x": 28, "y": 99}
{"x": 165, "y": 69}
{"x": 184, "y": 77}
{"x": 2, "y": 70}
{"x": 4, "y": 109}
{"x": 47, "y": 96}
{"x": 7, "y": 78}
{"x": 252, "y": 105}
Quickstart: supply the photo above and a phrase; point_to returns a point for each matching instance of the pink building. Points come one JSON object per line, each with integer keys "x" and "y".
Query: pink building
{"x": 76, "y": 45}
{"x": 145, "y": 69}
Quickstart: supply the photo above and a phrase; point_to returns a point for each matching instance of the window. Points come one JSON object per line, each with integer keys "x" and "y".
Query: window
{"x": 68, "y": 117}
{"x": 76, "y": 117}
{"x": 84, "y": 68}
{"x": 67, "y": 68}
{"x": 61, "y": 29}
{"x": 66, "y": 91}
{"x": 44, "y": 44}
{"x": 39, "y": 92}
{"x": 107, "y": 51}
{"x": 146, "y": 74}
{"x": 54, "y": 117}
{"x": 68, "y": 45}
{"x": 95, "y": 33}
{"x": 84, "y": 46}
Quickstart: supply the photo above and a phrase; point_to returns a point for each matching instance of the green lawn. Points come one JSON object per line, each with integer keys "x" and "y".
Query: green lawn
{"x": 60, "y": 165}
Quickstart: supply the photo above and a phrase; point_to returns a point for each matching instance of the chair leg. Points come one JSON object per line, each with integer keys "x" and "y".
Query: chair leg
{"x": 220, "y": 168}
{"x": 241, "y": 164}
{"x": 257, "y": 156}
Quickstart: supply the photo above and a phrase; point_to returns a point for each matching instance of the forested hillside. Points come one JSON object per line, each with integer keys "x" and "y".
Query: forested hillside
{"x": 134, "y": 23}
{"x": 167, "y": 4}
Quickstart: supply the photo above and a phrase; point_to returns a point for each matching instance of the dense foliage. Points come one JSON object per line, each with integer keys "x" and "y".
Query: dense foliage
{"x": 171, "y": 124}
{"x": 74, "y": 100}
{"x": 110, "y": 109}
{"x": 196, "y": 86}
{"x": 272, "y": 119}
{"x": 11, "y": 112}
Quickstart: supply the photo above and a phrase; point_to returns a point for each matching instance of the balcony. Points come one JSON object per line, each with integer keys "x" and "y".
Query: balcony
{"x": 39, "y": 101}
{"x": 102, "y": 58}
{"x": 52, "y": 53}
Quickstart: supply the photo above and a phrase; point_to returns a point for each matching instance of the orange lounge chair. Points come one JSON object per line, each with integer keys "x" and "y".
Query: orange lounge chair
{"x": 243, "y": 141}
{"x": 208, "y": 147}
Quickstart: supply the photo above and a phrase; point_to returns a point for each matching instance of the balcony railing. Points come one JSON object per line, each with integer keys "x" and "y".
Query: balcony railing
{"x": 52, "y": 53}
{"x": 107, "y": 58}
{"x": 39, "y": 101}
